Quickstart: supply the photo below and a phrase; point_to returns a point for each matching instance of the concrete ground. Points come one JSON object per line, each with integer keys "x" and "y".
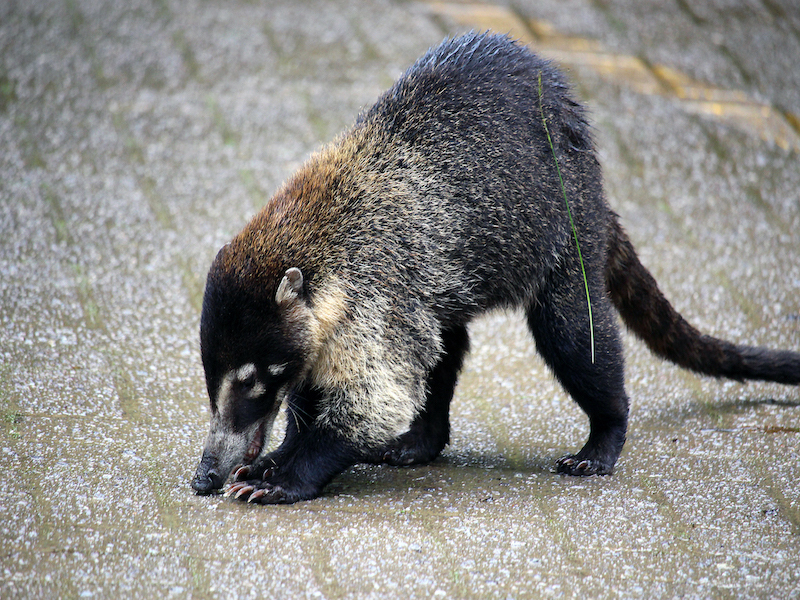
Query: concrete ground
{"x": 138, "y": 136}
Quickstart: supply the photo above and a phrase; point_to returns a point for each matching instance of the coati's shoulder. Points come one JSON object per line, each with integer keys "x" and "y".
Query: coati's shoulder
{"x": 307, "y": 228}
{"x": 301, "y": 225}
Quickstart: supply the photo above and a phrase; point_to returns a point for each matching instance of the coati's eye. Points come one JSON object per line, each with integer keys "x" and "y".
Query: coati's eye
{"x": 246, "y": 375}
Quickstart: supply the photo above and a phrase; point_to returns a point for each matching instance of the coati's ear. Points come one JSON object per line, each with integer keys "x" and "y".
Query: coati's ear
{"x": 290, "y": 288}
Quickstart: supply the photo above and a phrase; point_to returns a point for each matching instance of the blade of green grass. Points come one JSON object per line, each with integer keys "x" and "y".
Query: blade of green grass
{"x": 569, "y": 214}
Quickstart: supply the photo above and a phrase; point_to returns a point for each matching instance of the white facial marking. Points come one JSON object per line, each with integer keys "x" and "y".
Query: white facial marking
{"x": 240, "y": 375}
{"x": 224, "y": 393}
{"x": 276, "y": 370}
{"x": 245, "y": 372}
{"x": 248, "y": 371}
{"x": 256, "y": 390}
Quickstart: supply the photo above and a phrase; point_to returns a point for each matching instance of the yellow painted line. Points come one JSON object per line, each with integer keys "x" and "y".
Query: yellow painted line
{"x": 484, "y": 16}
{"x": 760, "y": 119}
{"x": 686, "y": 88}
{"x": 630, "y": 70}
{"x": 733, "y": 107}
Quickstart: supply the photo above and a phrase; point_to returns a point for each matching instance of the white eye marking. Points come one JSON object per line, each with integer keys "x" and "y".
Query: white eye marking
{"x": 245, "y": 372}
{"x": 276, "y": 370}
{"x": 256, "y": 390}
{"x": 246, "y": 377}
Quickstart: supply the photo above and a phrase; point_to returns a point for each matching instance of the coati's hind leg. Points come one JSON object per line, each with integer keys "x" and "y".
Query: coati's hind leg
{"x": 430, "y": 431}
{"x": 559, "y": 322}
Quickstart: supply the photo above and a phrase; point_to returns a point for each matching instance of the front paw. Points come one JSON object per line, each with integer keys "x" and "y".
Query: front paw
{"x": 277, "y": 487}
{"x": 251, "y": 472}
{"x": 261, "y": 492}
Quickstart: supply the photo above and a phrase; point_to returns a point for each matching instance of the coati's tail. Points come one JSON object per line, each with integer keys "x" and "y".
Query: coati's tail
{"x": 650, "y": 316}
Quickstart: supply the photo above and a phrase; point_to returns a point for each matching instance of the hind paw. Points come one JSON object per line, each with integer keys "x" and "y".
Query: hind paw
{"x": 579, "y": 466}
{"x": 404, "y": 454}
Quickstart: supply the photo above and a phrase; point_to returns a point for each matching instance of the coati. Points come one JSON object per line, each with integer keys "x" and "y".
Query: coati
{"x": 348, "y": 296}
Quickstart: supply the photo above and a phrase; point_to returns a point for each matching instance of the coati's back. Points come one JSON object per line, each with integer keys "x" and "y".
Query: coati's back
{"x": 466, "y": 126}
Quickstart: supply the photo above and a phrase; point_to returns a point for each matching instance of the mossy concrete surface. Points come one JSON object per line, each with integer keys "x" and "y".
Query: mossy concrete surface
{"x": 138, "y": 136}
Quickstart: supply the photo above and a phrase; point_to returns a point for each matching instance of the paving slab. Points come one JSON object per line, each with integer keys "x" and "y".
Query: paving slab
{"x": 137, "y": 137}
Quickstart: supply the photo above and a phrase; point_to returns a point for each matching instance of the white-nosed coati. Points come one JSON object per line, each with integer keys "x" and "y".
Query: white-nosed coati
{"x": 348, "y": 295}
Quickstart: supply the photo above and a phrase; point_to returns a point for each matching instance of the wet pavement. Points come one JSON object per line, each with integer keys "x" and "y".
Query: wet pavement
{"x": 136, "y": 137}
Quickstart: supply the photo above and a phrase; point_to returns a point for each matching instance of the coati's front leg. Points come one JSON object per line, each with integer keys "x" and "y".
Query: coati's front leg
{"x": 430, "y": 430}
{"x": 309, "y": 457}
{"x": 594, "y": 378}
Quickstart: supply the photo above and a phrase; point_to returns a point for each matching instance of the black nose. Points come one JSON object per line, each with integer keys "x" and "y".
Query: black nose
{"x": 204, "y": 485}
{"x": 206, "y": 478}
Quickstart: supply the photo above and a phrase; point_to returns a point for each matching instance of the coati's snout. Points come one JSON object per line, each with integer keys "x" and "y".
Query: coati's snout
{"x": 226, "y": 449}
{"x": 243, "y": 411}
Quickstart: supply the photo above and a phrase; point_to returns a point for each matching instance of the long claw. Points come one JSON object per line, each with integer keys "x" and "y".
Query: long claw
{"x": 244, "y": 490}
{"x": 241, "y": 473}
{"x": 234, "y": 488}
{"x": 256, "y": 495}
